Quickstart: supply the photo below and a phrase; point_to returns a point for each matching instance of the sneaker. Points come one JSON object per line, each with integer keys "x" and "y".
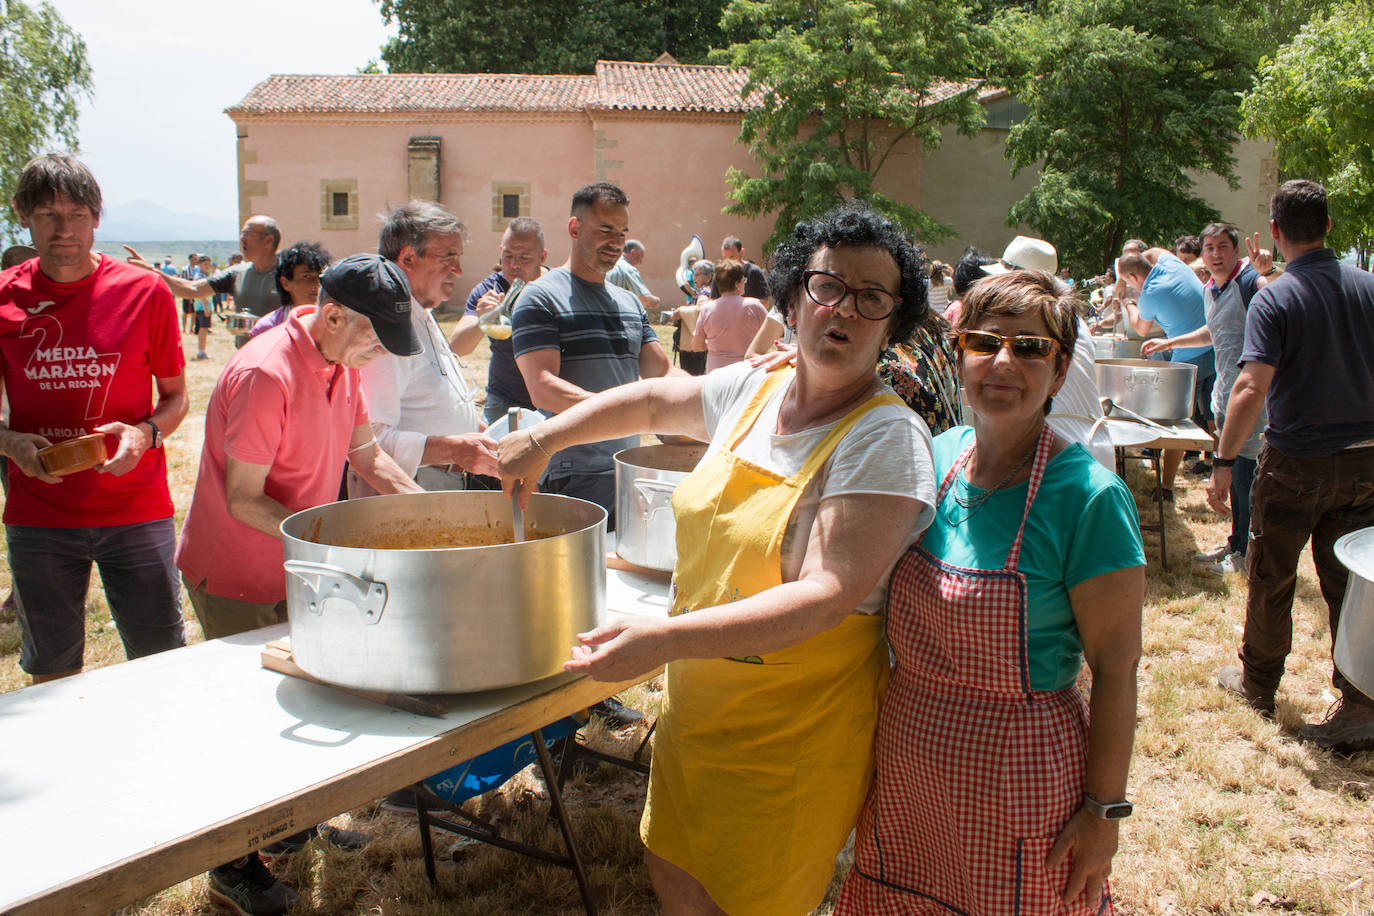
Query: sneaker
{"x": 403, "y": 801}
{"x": 334, "y": 836}
{"x": 1212, "y": 556}
{"x": 617, "y": 714}
{"x": 1232, "y": 678}
{"x": 1231, "y": 563}
{"x": 1200, "y": 468}
{"x": 1159, "y": 494}
{"x": 201, "y": 354}
{"x": 1347, "y": 728}
{"x": 249, "y": 889}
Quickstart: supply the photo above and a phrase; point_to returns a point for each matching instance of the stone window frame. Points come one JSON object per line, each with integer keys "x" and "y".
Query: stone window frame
{"x": 499, "y": 192}
{"x": 328, "y": 188}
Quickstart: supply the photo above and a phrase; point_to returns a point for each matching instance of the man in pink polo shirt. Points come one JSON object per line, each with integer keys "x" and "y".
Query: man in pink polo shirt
{"x": 284, "y": 417}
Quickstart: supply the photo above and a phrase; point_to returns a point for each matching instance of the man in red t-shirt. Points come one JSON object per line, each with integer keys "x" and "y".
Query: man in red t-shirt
{"x": 84, "y": 341}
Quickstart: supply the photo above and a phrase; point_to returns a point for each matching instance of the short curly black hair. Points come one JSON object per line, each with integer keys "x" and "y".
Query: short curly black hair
{"x": 310, "y": 255}
{"x": 969, "y": 270}
{"x": 852, "y": 224}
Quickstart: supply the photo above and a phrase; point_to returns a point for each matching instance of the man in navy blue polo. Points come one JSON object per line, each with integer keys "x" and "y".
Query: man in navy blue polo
{"x": 1308, "y": 359}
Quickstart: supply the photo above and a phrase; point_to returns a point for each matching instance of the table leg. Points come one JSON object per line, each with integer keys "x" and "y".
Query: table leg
{"x": 556, "y": 802}
{"x": 426, "y": 841}
{"x": 1159, "y": 488}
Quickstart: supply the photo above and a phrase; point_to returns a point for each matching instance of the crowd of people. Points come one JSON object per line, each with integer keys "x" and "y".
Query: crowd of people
{"x": 885, "y": 591}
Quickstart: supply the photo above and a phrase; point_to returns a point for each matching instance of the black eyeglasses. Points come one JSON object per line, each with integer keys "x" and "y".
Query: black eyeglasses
{"x": 1025, "y": 346}
{"x": 828, "y": 290}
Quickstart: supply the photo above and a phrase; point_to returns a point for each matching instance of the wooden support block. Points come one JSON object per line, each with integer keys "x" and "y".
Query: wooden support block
{"x": 614, "y": 561}
{"x": 276, "y": 656}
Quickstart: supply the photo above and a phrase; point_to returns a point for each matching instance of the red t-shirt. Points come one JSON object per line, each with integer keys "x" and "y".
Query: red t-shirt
{"x": 75, "y": 356}
{"x": 278, "y": 404}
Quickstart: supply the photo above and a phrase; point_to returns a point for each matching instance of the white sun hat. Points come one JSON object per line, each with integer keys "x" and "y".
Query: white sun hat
{"x": 1025, "y": 253}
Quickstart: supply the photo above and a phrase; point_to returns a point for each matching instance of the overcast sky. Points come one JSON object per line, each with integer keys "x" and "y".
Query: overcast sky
{"x": 164, "y": 72}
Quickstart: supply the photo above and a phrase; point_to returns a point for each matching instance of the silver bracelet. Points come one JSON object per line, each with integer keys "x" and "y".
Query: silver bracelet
{"x": 537, "y": 444}
{"x": 359, "y": 448}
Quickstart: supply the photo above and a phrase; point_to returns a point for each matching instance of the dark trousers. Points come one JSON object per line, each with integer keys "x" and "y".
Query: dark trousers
{"x": 693, "y": 361}
{"x": 52, "y": 570}
{"x": 1295, "y": 499}
{"x": 1242, "y": 479}
{"x": 595, "y": 488}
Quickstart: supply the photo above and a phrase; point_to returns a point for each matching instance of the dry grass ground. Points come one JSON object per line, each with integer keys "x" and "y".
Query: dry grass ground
{"x": 1234, "y": 816}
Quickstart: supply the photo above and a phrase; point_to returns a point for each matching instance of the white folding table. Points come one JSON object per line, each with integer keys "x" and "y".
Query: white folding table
{"x": 175, "y": 763}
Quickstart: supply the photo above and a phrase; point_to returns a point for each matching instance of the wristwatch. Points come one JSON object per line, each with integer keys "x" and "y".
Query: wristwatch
{"x": 1112, "y": 811}
{"x": 1219, "y": 462}
{"x": 157, "y": 433}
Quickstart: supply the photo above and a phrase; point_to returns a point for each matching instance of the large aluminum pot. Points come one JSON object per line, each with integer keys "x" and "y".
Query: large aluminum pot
{"x": 1105, "y": 347}
{"x": 240, "y": 324}
{"x": 1354, "y": 652}
{"x": 442, "y": 620}
{"x": 645, "y": 478}
{"x": 1154, "y": 389}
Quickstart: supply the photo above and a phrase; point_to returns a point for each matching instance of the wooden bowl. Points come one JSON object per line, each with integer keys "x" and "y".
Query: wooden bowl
{"x": 73, "y": 455}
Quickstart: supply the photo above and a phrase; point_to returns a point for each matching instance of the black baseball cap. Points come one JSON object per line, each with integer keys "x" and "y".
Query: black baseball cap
{"x": 375, "y": 287}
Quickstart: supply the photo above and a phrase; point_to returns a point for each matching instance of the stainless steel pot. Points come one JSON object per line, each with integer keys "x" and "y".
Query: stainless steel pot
{"x": 645, "y": 478}
{"x": 240, "y": 323}
{"x": 1354, "y": 651}
{"x": 444, "y": 620}
{"x": 1105, "y": 347}
{"x": 1158, "y": 390}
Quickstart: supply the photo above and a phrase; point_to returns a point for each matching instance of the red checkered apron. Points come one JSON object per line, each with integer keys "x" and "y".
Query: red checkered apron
{"x": 977, "y": 773}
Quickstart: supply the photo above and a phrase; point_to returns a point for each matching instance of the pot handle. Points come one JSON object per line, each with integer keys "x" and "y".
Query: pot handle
{"x": 654, "y": 496}
{"x": 324, "y": 581}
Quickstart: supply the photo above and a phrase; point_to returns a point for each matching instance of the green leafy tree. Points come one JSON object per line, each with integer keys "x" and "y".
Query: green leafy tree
{"x": 1315, "y": 100}
{"x": 1124, "y": 97}
{"x": 842, "y": 84}
{"x": 545, "y": 36}
{"x": 43, "y": 71}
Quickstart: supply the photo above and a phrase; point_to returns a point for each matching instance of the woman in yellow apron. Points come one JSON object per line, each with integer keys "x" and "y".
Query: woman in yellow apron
{"x": 815, "y": 481}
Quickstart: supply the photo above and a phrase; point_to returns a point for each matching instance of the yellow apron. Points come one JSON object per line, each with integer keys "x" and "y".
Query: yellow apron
{"x": 761, "y": 764}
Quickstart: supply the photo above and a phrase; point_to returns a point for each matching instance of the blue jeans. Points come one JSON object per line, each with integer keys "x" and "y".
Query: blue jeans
{"x": 52, "y": 572}
{"x": 497, "y": 407}
{"x": 1242, "y": 479}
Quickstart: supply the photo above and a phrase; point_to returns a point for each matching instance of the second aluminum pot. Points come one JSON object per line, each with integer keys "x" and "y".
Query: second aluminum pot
{"x": 446, "y": 620}
{"x": 1151, "y": 388}
{"x": 1355, "y": 634}
{"x": 645, "y": 478}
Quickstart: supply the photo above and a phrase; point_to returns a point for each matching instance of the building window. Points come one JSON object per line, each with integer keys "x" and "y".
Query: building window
{"x": 339, "y": 203}
{"x": 509, "y": 199}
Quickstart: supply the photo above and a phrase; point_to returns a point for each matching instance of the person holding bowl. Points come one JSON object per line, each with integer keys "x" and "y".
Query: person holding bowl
{"x": 996, "y": 792}
{"x": 815, "y": 481}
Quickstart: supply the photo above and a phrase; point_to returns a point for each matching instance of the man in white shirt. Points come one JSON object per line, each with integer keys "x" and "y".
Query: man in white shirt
{"x": 423, "y": 409}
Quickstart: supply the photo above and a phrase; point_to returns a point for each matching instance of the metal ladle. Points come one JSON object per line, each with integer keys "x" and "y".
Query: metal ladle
{"x": 517, "y": 514}
{"x": 1108, "y": 405}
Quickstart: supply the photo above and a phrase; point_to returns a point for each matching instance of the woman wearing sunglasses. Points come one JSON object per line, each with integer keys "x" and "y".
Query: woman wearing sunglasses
{"x": 816, "y": 479}
{"x": 996, "y": 791}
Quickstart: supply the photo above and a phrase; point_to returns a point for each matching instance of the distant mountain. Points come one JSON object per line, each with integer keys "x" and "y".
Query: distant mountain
{"x": 144, "y": 219}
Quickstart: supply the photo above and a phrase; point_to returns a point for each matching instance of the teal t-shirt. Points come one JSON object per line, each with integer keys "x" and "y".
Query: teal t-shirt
{"x": 1083, "y": 524}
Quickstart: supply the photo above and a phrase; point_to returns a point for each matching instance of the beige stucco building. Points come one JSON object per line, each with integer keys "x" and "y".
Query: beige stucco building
{"x": 326, "y": 155}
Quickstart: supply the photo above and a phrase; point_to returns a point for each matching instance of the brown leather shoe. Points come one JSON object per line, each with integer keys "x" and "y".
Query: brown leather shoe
{"x": 1347, "y": 728}
{"x": 1232, "y": 678}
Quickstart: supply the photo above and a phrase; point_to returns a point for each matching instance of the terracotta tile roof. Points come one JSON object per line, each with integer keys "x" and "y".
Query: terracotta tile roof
{"x": 416, "y": 92}
{"x": 616, "y": 85}
{"x": 626, "y": 85}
